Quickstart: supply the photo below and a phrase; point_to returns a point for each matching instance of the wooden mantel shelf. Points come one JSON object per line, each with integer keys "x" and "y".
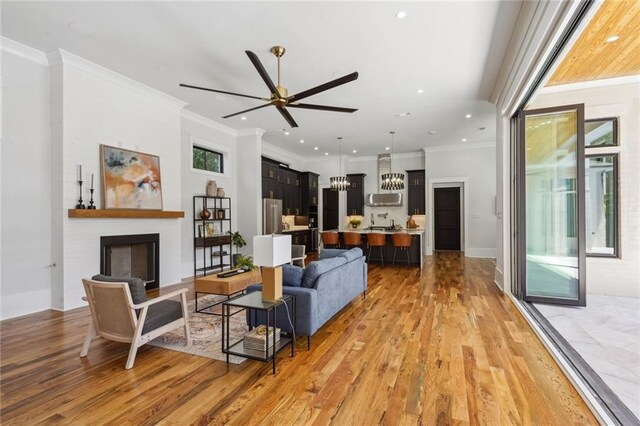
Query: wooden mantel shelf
{"x": 125, "y": 214}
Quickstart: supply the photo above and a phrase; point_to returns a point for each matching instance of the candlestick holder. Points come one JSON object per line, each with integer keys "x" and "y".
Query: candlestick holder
{"x": 91, "y": 206}
{"x": 80, "y": 205}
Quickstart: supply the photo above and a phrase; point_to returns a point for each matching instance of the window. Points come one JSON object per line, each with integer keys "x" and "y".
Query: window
{"x": 601, "y": 186}
{"x": 206, "y": 159}
{"x": 600, "y": 132}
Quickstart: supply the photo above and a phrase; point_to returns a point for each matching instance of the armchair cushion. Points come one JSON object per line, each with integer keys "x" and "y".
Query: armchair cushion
{"x": 136, "y": 286}
{"x": 162, "y": 313}
{"x": 352, "y": 254}
{"x": 329, "y": 253}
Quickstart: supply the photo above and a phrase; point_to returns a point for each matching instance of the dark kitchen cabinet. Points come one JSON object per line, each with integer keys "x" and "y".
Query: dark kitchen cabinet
{"x": 355, "y": 195}
{"x": 308, "y": 191}
{"x": 416, "y": 185}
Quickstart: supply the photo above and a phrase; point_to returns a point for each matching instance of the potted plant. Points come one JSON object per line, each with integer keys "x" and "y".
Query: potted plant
{"x": 245, "y": 262}
{"x": 238, "y": 241}
{"x": 355, "y": 222}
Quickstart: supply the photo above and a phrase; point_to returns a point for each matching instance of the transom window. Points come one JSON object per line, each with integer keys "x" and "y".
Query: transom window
{"x": 207, "y": 159}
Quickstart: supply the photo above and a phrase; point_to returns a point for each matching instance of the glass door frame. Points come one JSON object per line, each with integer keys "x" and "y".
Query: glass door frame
{"x": 520, "y": 209}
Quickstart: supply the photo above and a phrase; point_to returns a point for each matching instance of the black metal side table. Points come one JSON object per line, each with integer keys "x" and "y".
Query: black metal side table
{"x": 254, "y": 304}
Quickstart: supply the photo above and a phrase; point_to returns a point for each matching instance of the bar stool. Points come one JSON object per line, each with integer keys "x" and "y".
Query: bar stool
{"x": 330, "y": 239}
{"x": 351, "y": 239}
{"x": 402, "y": 241}
{"x": 376, "y": 239}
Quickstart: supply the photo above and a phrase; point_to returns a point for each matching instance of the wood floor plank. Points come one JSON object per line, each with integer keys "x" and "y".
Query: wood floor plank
{"x": 437, "y": 346}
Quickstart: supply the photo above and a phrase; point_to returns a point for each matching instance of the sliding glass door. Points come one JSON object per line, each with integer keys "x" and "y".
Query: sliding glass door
{"x": 551, "y": 205}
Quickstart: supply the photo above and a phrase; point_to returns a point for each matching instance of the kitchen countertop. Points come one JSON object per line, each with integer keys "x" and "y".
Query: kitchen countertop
{"x": 297, "y": 228}
{"x": 417, "y": 231}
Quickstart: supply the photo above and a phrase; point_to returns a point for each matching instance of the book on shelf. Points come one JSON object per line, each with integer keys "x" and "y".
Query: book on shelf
{"x": 259, "y": 339}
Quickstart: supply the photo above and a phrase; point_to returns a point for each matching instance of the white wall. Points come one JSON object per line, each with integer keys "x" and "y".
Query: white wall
{"x": 613, "y": 98}
{"x": 476, "y": 163}
{"x": 208, "y": 134}
{"x": 97, "y": 106}
{"x": 26, "y": 184}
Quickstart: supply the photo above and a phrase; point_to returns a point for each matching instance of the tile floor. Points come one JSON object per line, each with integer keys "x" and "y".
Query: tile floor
{"x": 607, "y": 335}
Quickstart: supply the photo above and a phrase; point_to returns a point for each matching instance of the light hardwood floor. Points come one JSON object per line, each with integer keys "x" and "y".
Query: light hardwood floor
{"x": 440, "y": 347}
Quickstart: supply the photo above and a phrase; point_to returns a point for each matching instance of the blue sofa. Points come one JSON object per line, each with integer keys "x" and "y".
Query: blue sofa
{"x": 322, "y": 289}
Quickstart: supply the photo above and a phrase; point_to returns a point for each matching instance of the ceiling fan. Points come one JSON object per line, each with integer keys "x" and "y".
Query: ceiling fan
{"x": 280, "y": 96}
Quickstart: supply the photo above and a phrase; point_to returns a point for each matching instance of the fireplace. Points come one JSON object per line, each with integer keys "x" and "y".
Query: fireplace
{"x": 132, "y": 256}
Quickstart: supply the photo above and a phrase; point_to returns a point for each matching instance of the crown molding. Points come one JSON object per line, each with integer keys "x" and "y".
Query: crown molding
{"x": 460, "y": 147}
{"x": 593, "y": 84}
{"x": 205, "y": 121}
{"x": 253, "y": 131}
{"x": 59, "y": 57}
{"x": 24, "y": 51}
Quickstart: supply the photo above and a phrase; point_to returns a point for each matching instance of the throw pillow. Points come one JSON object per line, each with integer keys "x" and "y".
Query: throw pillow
{"x": 292, "y": 275}
{"x": 319, "y": 267}
{"x": 136, "y": 286}
{"x": 353, "y": 254}
{"x": 329, "y": 253}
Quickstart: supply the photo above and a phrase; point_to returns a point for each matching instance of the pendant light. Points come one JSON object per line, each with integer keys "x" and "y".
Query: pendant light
{"x": 392, "y": 181}
{"x": 341, "y": 182}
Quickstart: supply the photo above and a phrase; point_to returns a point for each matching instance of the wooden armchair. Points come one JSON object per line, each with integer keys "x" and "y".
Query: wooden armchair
{"x": 114, "y": 316}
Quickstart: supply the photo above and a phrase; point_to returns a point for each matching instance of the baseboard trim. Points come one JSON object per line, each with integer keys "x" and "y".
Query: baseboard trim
{"x": 480, "y": 252}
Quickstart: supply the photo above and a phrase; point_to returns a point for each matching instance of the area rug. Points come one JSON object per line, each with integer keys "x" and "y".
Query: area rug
{"x": 206, "y": 333}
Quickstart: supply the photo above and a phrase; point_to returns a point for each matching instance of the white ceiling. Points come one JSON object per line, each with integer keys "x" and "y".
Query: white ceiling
{"x": 451, "y": 50}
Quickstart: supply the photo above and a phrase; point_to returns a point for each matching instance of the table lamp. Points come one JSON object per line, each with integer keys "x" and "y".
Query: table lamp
{"x": 271, "y": 252}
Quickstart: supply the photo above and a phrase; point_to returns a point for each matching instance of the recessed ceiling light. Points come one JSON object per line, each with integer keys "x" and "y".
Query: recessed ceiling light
{"x": 315, "y": 148}
{"x": 243, "y": 118}
{"x": 401, "y": 15}
{"x": 467, "y": 116}
{"x": 354, "y": 151}
{"x": 387, "y": 148}
{"x": 81, "y": 28}
{"x": 286, "y": 133}
{"x": 301, "y": 140}
{"x": 432, "y": 132}
{"x": 402, "y": 114}
{"x": 464, "y": 139}
{"x": 420, "y": 91}
{"x": 613, "y": 38}
{"x": 326, "y": 153}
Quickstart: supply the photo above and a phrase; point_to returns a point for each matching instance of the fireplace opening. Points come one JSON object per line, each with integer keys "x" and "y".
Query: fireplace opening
{"x": 132, "y": 256}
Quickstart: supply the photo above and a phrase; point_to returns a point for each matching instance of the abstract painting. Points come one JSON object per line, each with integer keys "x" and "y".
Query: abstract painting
{"x": 130, "y": 179}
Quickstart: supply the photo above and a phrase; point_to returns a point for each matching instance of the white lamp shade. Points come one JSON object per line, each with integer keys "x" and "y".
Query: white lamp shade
{"x": 271, "y": 250}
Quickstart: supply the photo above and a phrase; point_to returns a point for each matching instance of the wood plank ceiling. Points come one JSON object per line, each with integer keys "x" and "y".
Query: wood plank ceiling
{"x": 593, "y": 58}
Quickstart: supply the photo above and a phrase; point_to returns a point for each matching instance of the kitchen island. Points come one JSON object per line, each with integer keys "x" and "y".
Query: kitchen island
{"x": 416, "y": 251}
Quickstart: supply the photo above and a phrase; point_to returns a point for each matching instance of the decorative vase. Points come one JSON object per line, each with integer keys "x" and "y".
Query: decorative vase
{"x": 212, "y": 188}
{"x": 205, "y": 214}
{"x": 220, "y": 214}
{"x": 220, "y": 192}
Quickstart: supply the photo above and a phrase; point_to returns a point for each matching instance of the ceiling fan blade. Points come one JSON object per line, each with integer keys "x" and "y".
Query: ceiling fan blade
{"x": 222, "y": 91}
{"x": 247, "y": 110}
{"x": 263, "y": 73}
{"x": 287, "y": 116}
{"x": 326, "y": 86}
{"x": 322, "y": 107}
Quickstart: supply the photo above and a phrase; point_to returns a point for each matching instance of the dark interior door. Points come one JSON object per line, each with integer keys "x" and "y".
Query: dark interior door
{"x": 329, "y": 209}
{"x": 446, "y": 218}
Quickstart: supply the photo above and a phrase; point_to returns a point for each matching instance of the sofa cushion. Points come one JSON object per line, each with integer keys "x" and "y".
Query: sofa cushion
{"x": 319, "y": 267}
{"x": 329, "y": 253}
{"x": 161, "y": 313}
{"x": 292, "y": 275}
{"x": 136, "y": 286}
{"x": 353, "y": 254}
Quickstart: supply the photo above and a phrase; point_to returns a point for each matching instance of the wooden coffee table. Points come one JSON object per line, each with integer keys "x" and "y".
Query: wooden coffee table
{"x": 230, "y": 286}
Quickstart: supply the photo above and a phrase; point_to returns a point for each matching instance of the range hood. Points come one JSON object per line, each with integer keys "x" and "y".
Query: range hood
{"x": 384, "y": 199}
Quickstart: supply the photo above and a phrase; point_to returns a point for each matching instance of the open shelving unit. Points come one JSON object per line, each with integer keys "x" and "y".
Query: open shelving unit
{"x": 212, "y": 249}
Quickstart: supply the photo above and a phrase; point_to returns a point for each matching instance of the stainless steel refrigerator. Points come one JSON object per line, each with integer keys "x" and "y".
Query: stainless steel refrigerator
{"x": 271, "y": 216}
